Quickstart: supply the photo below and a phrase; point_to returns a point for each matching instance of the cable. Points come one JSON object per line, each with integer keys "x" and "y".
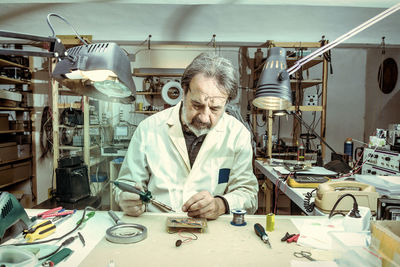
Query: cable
{"x": 355, "y": 213}
{"x": 66, "y": 21}
{"x": 46, "y": 132}
{"x": 307, "y": 205}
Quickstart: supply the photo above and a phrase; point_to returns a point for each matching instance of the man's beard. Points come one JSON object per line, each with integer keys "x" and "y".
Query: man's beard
{"x": 195, "y": 126}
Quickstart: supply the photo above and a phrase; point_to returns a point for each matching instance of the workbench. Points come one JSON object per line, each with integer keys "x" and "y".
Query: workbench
{"x": 222, "y": 244}
{"x": 296, "y": 195}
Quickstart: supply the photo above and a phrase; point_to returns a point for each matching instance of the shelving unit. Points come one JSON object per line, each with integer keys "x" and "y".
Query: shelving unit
{"x": 298, "y": 86}
{"x": 18, "y": 171}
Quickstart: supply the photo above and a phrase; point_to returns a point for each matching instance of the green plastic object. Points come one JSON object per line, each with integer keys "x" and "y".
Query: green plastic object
{"x": 60, "y": 256}
{"x": 14, "y": 219}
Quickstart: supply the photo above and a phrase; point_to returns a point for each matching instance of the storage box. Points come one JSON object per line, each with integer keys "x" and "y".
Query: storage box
{"x": 386, "y": 239}
{"x": 8, "y": 151}
{"x": 12, "y": 173}
{"x": 4, "y": 122}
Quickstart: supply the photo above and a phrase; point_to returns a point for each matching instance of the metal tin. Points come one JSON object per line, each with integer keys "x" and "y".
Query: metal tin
{"x": 238, "y": 217}
{"x": 270, "y": 222}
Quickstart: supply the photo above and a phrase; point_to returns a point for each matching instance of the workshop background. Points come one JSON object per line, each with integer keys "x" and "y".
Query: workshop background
{"x": 180, "y": 30}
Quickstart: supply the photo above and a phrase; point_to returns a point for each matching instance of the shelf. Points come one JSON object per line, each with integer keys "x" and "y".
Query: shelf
{"x": 15, "y": 182}
{"x": 96, "y": 161}
{"x": 145, "y": 111}
{"x": 306, "y": 108}
{"x": 75, "y": 147}
{"x": 6, "y": 63}
{"x": 69, "y": 105}
{"x": 14, "y": 109}
{"x": 12, "y": 131}
{"x": 148, "y": 93}
{"x": 6, "y": 80}
{"x": 158, "y": 72}
{"x": 290, "y": 62}
{"x": 15, "y": 160}
{"x": 304, "y": 83}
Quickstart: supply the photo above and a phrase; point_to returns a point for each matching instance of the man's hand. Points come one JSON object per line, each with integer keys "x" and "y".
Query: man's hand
{"x": 204, "y": 205}
{"x": 131, "y": 203}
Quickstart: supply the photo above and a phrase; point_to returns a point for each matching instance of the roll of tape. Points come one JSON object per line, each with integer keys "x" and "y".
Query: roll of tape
{"x": 172, "y": 93}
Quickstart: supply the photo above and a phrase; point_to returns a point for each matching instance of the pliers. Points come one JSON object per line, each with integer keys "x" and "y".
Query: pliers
{"x": 39, "y": 231}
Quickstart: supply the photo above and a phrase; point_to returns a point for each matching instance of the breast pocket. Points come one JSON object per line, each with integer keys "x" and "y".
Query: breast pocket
{"x": 222, "y": 168}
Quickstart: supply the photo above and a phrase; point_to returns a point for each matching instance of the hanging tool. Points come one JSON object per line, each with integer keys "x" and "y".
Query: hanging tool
{"x": 39, "y": 231}
{"x": 260, "y": 231}
{"x": 146, "y": 197}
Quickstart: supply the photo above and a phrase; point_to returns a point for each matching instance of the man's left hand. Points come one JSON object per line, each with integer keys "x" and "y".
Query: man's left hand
{"x": 204, "y": 205}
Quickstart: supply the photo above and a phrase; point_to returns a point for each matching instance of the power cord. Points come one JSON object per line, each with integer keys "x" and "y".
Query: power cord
{"x": 354, "y": 213}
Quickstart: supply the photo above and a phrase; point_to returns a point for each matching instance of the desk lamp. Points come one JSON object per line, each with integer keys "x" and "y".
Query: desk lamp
{"x": 101, "y": 70}
{"x": 273, "y": 89}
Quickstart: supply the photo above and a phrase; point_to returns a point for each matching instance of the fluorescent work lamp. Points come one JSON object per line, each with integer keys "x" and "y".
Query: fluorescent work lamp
{"x": 273, "y": 89}
{"x": 100, "y": 70}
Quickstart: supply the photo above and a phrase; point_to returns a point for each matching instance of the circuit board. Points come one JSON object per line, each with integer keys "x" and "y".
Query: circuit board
{"x": 188, "y": 224}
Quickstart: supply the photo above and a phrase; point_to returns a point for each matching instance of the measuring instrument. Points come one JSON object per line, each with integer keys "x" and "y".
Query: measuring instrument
{"x": 125, "y": 233}
{"x": 260, "y": 231}
{"x": 146, "y": 197}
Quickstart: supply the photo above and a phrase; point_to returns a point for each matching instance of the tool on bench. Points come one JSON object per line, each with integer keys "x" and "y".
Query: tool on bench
{"x": 39, "y": 231}
{"x": 59, "y": 211}
{"x": 146, "y": 197}
{"x": 303, "y": 254}
{"x": 260, "y": 231}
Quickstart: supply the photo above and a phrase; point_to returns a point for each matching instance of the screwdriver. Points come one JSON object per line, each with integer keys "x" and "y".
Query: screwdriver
{"x": 260, "y": 231}
{"x": 144, "y": 196}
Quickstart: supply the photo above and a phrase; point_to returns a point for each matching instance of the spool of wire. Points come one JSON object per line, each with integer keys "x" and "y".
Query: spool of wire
{"x": 238, "y": 217}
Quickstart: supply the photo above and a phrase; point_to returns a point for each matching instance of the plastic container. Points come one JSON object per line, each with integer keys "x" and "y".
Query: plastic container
{"x": 351, "y": 249}
{"x": 17, "y": 257}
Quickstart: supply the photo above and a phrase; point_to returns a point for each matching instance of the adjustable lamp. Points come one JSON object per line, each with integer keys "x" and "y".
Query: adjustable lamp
{"x": 101, "y": 71}
{"x": 273, "y": 89}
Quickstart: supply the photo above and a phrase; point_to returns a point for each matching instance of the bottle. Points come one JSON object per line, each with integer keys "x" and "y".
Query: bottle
{"x": 301, "y": 153}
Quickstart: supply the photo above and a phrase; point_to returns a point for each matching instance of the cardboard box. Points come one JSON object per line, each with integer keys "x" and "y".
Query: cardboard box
{"x": 8, "y": 151}
{"x": 386, "y": 240}
{"x": 4, "y": 122}
{"x": 12, "y": 173}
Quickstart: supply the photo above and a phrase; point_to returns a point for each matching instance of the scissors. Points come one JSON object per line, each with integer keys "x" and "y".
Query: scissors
{"x": 303, "y": 254}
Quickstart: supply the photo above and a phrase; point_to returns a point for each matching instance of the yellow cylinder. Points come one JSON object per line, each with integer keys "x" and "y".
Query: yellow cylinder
{"x": 270, "y": 222}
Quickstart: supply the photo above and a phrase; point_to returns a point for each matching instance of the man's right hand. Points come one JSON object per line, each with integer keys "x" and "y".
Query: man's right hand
{"x": 131, "y": 203}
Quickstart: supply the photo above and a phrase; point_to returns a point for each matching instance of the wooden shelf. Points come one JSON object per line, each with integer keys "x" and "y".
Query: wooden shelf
{"x": 148, "y": 93}
{"x": 6, "y": 80}
{"x": 306, "y": 108}
{"x": 15, "y": 160}
{"x": 157, "y": 72}
{"x": 69, "y": 105}
{"x": 14, "y": 109}
{"x": 12, "y": 131}
{"x": 290, "y": 62}
{"x": 6, "y": 63}
{"x": 15, "y": 182}
{"x": 75, "y": 147}
{"x": 304, "y": 83}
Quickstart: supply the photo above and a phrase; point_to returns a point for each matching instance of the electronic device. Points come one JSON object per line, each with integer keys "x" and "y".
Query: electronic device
{"x": 306, "y": 181}
{"x": 14, "y": 219}
{"x": 381, "y": 162}
{"x": 72, "y": 182}
{"x": 393, "y": 138}
{"x": 388, "y": 209}
{"x": 328, "y": 193}
{"x": 121, "y": 133}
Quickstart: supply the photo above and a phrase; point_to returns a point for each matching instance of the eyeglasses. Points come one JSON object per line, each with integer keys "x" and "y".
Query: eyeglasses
{"x": 202, "y": 98}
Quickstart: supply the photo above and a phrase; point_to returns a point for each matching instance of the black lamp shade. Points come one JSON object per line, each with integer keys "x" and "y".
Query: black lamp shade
{"x": 100, "y": 70}
{"x": 273, "y": 88}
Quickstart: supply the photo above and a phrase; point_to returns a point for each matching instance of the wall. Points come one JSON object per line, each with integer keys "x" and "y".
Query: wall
{"x": 381, "y": 109}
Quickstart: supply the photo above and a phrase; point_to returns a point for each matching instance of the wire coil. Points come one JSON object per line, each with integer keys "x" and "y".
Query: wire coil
{"x": 238, "y": 217}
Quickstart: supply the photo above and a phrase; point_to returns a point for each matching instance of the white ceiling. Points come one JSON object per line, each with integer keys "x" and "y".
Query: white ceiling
{"x": 235, "y": 21}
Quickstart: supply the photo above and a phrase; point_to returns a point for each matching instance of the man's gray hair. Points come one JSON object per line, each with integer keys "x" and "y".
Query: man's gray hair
{"x": 213, "y": 66}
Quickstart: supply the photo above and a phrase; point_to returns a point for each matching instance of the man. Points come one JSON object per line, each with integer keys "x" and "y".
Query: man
{"x": 193, "y": 157}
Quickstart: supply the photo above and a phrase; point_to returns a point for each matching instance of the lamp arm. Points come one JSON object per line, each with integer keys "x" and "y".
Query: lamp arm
{"x": 56, "y": 48}
{"x": 312, "y": 130}
{"x": 343, "y": 38}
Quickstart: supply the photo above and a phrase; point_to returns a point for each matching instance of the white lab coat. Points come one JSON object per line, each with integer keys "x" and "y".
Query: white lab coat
{"x": 158, "y": 160}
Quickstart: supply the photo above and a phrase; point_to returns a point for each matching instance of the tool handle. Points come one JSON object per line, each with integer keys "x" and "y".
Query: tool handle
{"x": 114, "y": 216}
{"x": 260, "y": 231}
{"x": 144, "y": 196}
